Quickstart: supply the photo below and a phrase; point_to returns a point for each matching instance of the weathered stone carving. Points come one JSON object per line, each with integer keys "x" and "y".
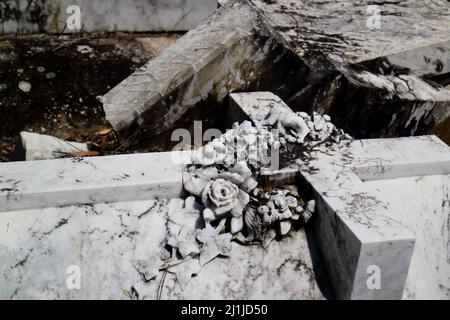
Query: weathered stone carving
{"x": 226, "y": 204}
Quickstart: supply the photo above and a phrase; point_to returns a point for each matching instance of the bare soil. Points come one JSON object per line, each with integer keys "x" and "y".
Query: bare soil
{"x": 51, "y": 84}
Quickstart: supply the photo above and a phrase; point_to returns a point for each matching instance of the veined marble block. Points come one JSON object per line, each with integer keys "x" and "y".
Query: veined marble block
{"x": 356, "y": 226}
{"x": 362, "y": 239}
{"x": 88, "y": 252}
{"x": 72, "y": 181}
{"x": 423, "y": 204}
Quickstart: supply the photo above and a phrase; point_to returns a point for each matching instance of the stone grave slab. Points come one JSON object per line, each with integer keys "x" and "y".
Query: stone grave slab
{"x": 355, "y": 228}
{"x": 246, "y": 42}
{"x": 54, "y": 218}
{"x": 42, "y": 248}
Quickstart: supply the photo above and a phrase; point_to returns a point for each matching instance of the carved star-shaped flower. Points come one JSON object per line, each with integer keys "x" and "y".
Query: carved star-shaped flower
{"x": 214, "y": 244}
{"x": 185, "y": 242}
{"x": 149, "y": 268}
{"x": 184, "y": 271}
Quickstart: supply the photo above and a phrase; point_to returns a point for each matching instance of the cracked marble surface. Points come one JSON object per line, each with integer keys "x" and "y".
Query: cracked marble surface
{"x": 429, "y": 218}
{"x": 356, "y": 227}
{"x": 38, "y": 246}
{"x": 71, "y": 181}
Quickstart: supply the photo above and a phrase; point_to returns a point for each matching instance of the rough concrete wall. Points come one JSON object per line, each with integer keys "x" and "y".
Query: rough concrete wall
{"x": 32, "y": 16}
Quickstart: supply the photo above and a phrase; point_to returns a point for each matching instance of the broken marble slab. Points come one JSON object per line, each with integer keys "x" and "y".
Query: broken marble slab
{"x": 89, "y": 252}
{"x": 190, "y": 80}
{"x": 349, "y": 31}
{"x": 375, "y": 159}
{"x": 185, "y": 63}
{"x": 71, "y": 181}
{"x": 245, "y": 43}
{"x": 353, "y": 60}
{"x": 34, "y": 146}
{"x": 426, "y": 60}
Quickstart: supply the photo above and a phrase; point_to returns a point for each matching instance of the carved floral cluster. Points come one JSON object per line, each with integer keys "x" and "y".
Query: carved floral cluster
{"x": 225, "y": 202}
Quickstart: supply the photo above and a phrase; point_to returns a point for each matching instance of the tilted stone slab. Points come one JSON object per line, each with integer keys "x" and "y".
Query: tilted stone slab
{"x": 185, "y": 62}
{"x": 355, "y": 65}
{"x": 190, "y": 80}
{"x": 343, "y": 31}
{"x": 378, "y": 159}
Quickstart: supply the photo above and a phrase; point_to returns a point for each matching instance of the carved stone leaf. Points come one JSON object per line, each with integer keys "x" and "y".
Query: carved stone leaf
{"x": 149, "y": 268}
{"x": 252, "y": 223}
{"x": 243, "y": 200}
{"x": 269, "y": 236}
{"x": 184, "y": 240}
{"x": 195, "y": 179}
{"x": 214, "y": 244}
{"x": 232, "y": 177}
{"x": 187, "y": 244}
{"x": 185, "y": 271}
{"x": 237, "y": 224}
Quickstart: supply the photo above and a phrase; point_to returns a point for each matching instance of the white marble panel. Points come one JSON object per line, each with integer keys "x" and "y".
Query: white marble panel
{"x": 376, "y": 159}
{"x": 356, "y": 230}
{"x": 61, "y": 182}
{"x": 38, "y": 247}
{"x": 423, "y": 204}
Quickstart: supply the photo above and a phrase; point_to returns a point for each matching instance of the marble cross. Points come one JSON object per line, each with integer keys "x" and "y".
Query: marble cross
{"x": 356, "y": 231}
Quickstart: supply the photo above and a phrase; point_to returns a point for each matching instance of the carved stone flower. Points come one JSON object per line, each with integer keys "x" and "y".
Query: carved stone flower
{"x": 195, "y": 179}
{"x": 214, "y": 244}
{"x": 221, "y": 197}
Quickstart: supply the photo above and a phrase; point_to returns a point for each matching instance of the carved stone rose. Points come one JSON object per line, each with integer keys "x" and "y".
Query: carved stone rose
{"x": 221, "y": 197}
